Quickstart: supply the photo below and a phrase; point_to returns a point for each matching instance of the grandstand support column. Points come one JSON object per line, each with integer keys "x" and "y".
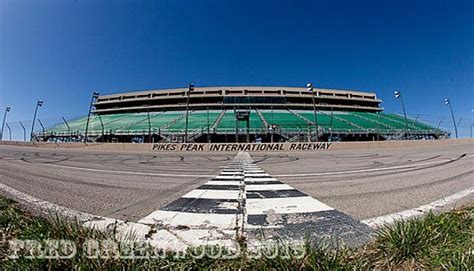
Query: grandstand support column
{"x": 248, "y": 130}
{"x": 208, "y": 138}
{"x": 190, "y": 88}
{"x": 448, "y": 102}
{"x": 7, "y": 109}
{"x": 311, "y": 89}
{"x": 149, "y": 126}
{"x": 398, "y": 95}
{"x": 332, "y": 115}
{"x": 271, "y": 134}
{"x": 272, "y": 126}
{"x": 236, "y": 127}
{"x": 24, "y": 131}
{"x": 309, "y": 133}
{"x": 95, "y": 95}
{"x": 102, "y": 126}
{"x": 38, "y": 104}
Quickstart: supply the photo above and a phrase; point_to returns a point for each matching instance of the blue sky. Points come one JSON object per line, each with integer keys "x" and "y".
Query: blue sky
{"x": 61, "y": 51}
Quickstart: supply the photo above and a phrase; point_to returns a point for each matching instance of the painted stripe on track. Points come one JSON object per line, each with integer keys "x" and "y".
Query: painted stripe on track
{"x": 262, "y": 182}
{"x": 203, "y": 206}
{"x": 237, "y": 183}
{"x": 225, "y": 177}
{"x": 212, "y": 194}
{"x": 285, "y": 206}
{"x": 280, "y": 212}
{"x": 419, "y": 211}
{"x": 256, "y": 187}
{"x": 218, "y": 187}
{"x": 176, "y": 219}
{"x": 250, "y": 179}
{"x": 290, "y": 193}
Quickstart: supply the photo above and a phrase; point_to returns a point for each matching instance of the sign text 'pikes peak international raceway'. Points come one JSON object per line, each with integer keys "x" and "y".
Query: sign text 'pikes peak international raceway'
{"x": 235, "y": 147}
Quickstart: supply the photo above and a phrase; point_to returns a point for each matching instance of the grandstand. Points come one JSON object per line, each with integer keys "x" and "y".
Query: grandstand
{"x": 274, "y": 114}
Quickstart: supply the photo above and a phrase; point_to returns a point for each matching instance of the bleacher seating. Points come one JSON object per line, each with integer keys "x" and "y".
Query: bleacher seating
{"x": 228, "y": 123}
{"x": 326, "y": 121}
{"x": 284, "y": 119}
{"x": 195, "y": 120}
{"x": 411, "y": 123}
{"x": 174, "y": 121}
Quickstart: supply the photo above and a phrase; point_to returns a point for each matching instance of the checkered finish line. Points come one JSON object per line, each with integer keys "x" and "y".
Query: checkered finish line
{"x": 245, "y": 202}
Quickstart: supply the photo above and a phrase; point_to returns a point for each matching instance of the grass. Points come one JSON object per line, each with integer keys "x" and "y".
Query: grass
{"x": 436, "y": 241}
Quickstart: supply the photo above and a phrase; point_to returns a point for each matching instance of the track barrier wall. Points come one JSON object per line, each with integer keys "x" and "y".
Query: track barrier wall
{"x": 234, "y": 147}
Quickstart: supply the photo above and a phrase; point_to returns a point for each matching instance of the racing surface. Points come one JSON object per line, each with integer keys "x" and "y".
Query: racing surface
{"x": 127, "y": 185}
{"x": 284, "y": 193}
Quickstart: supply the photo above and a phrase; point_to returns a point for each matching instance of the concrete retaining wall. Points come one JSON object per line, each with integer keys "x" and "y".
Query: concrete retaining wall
{"x": 232, "y": 147}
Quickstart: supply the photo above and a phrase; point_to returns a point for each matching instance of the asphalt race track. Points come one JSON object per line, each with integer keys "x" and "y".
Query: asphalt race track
{"x": 352, "y": 185}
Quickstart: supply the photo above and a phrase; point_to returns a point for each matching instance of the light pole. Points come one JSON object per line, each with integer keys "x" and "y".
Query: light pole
{"x": 310, "y": 88}
{"x": 472, "y": 125}
{"x": 398, "y": 95}
{"x": 38, "y": 104}
{"x": 190, "y": 88}
{"x": 95, "y": 95}
{"x": 7, "y": 109}
{"x": 448, "y": 102}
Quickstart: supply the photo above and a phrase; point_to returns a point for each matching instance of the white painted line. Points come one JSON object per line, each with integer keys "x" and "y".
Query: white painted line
{"x": 213, "y": 194}
{"x": 419, "y": 211}
{"x": 361, "y": 170}
{"x": 223, "y": 221}
{"x": 123, "y": 229}
{"x": 267, "y": 187}
{"x": 285, "y": 206}
{"x": 238, "y": 183}
{"x": 230, "y": 174}
{"x": 247, "y": 179}
{"x": 47, "y": 206}
{"x": 228, "y": 177}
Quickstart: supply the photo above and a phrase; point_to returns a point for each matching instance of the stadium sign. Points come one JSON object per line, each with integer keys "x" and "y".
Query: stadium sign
{"x": 233, "y": 147}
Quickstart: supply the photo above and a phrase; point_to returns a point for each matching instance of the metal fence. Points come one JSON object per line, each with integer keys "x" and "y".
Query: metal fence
{"x": 21, "y": 130}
